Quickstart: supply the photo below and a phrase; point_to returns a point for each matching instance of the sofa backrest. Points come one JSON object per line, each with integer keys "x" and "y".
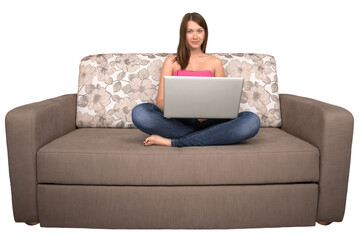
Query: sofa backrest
{"x": 111, "y": 85}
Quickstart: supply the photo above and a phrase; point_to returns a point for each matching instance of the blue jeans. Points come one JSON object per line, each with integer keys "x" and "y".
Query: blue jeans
{"x": 150, "y": 119}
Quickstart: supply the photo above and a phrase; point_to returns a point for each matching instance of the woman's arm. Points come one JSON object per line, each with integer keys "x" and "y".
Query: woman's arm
{"x": 167, "y": 70}
{"x": 218, "y": 68}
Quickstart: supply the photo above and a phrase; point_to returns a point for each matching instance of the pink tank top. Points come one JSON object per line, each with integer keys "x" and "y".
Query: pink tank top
{"x": 202, "y": 73}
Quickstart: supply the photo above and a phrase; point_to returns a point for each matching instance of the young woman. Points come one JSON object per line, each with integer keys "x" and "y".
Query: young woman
{"x": 191, "y": 60}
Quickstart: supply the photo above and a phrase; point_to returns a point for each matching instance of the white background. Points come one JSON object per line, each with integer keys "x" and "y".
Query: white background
{"x": 317, "y": 46}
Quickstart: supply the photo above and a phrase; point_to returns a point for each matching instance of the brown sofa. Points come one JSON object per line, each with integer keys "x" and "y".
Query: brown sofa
{"x": 65, "y": 176}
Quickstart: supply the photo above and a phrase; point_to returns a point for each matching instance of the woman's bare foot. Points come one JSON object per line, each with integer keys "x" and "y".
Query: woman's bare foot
{"x": 201, "y": 119}
{"x": 157, "y": 140}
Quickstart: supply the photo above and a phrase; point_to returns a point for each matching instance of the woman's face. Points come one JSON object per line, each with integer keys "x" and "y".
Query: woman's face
{"x": 195, "y": 34}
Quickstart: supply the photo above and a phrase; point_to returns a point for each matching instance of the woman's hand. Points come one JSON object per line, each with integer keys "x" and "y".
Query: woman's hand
{"x": 201, "y": 119}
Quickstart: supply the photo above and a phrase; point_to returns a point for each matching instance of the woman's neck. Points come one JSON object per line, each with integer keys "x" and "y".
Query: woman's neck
{"x": 196, "y": 52}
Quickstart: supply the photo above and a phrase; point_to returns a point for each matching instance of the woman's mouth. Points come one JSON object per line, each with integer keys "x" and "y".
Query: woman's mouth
{"x": 195, "y": 42}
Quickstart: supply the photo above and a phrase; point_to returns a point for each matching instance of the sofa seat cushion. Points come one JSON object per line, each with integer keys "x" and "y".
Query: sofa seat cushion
{"x": 111, "y": 156}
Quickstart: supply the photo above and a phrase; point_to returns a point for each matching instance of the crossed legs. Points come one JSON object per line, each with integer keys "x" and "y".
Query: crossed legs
{"x": 189, "y": 132}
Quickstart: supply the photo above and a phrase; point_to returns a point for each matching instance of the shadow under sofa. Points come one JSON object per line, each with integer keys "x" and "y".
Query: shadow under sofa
{"x": 64, "y": 176}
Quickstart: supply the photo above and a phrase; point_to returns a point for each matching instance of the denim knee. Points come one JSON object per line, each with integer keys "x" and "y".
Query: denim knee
{"x": 250, "y": 126}
{"x": 254, "y": 123}
{"x": 139, "y": 113}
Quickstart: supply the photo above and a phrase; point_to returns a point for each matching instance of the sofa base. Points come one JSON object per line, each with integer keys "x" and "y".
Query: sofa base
{"x": 177, "y": 207}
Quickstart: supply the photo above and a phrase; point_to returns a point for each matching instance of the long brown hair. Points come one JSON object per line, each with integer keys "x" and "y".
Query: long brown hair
{"x": 183, "y": 52}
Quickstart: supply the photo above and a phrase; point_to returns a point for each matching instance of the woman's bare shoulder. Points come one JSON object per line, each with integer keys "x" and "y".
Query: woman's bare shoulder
{"x": 173, "y": 64}
{"x": 216, "y": 60}
{"x": 170, "y": 58}
{"x": 217, "y": 66}
{"x": 169, "y": 65}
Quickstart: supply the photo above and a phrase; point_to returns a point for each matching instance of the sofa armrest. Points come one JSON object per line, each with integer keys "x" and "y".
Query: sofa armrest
{"x": 28, "y": 128}
{"x": 330, "y": 129}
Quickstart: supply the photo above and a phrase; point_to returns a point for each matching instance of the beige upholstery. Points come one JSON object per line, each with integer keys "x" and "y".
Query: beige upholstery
{"x": 111, "y": 85}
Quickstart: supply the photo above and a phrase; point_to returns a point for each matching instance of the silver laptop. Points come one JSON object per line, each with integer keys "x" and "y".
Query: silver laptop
{"x": 202, "y": 97}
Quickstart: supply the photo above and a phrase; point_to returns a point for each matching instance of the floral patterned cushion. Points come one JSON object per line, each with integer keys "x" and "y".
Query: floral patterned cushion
{"x": 111, "y": 85}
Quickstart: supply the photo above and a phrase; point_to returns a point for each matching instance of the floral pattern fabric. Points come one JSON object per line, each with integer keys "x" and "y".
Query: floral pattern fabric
{"x": 111, "y": 85}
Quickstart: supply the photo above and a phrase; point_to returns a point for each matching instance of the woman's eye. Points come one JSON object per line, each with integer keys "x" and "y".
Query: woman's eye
{"x": 191, "y": 31}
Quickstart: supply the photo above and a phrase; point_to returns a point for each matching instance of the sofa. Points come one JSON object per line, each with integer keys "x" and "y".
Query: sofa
{"x": 77, "y": 161}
